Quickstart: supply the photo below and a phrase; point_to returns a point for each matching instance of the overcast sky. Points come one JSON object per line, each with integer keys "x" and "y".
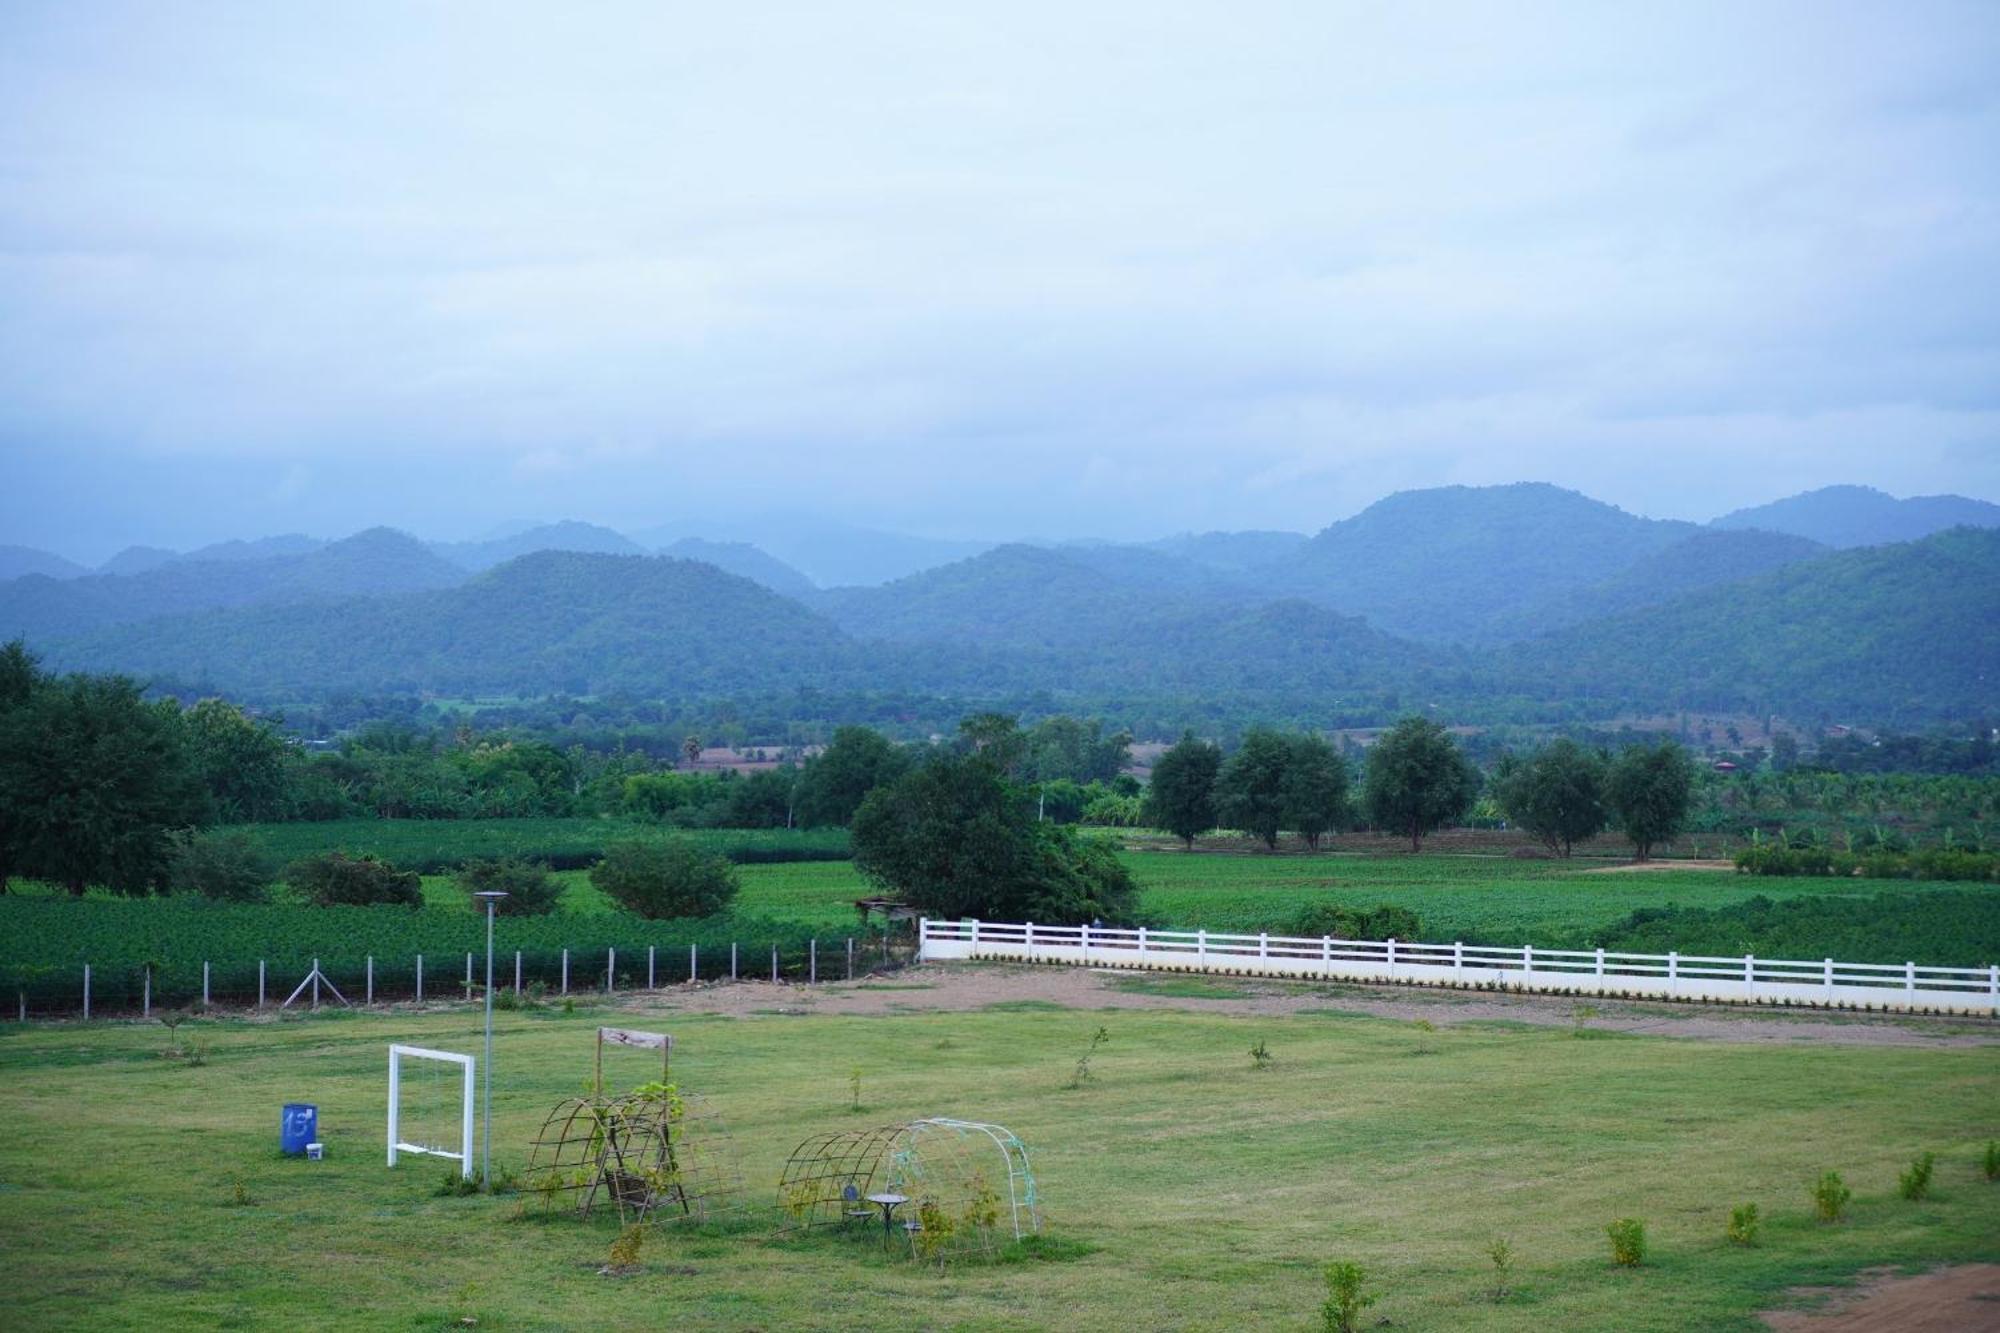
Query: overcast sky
{"x": 995, "y": 270}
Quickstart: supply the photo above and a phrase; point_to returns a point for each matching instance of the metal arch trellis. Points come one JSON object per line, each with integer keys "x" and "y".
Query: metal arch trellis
{"x": 656, "y": 1155}
{"x": 947, "y": 1168}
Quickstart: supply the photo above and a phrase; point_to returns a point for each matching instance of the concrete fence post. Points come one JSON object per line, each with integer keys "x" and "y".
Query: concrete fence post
{"x": 517, "y": 971}
{"x": 732, "y": 960}
{"x": 1909, "y": 979}
{"x": 812, "y": 962}
{"x": 694, "y": 963}
{"x": 371, "y": 979}
{"x": 86, "y": 990}
{"x": 146, "y": 995}
{"x": 610, "y": 970}
{"x": 565, "y": 971}
{"x": 260, "y": 983}
{"x": 468, "y": 976}
{"x": 1750, "y": 974}
{"x": 850, "y": 958}
{"x": 1828, "y": 968}
{"x": 1392, "y": 959}
{"x": 420, "y": 978}
{"x": 204, "y": 983}
{"x": 774, "y": 962}
{"x": 1458, "y": 960}
{"x": 649, "y": 966}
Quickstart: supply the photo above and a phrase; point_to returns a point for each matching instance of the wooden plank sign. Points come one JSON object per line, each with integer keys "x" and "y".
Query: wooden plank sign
{"x": 643, "y": 1041}
{"x": 650, "y": 1041}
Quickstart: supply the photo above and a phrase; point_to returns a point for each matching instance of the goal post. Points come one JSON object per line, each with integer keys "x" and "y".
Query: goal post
{"x": 398, "y": 1054}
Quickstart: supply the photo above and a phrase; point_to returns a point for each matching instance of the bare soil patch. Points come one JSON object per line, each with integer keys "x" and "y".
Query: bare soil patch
{"x": 1631, "y": 866}
{"x": 1965, "y": 1299}
{"x": 956, "y": 987}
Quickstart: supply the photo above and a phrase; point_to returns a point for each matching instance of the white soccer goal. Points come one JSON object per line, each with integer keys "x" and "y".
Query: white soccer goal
{"x": 397, "y": 1145}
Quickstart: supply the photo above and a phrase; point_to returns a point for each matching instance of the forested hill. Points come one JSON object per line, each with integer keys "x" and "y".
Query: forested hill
{"x": 566, "y": 536}
{"x": 1702, "y": 560}
{"x": 21, "y": 561}
{"x": 1863, "y": 516}
{"x": 545, "y": 623}
{"x": 1889, "y": 634}
{"x": 744, "y": 560}
{"x": 380, "y": 560}
{"x": 1460, "y": 563}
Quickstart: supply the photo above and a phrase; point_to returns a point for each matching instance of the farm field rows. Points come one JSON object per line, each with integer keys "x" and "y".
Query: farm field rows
{"x": 1353, "y": 1145}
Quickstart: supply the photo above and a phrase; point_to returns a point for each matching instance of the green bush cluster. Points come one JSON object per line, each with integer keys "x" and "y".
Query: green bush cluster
{"x": 1934, "y": 863}
{"x": 1332, "y": 920}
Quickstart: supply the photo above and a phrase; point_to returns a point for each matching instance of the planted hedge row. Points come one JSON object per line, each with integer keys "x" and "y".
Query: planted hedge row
{"x": 1936, "y": 863}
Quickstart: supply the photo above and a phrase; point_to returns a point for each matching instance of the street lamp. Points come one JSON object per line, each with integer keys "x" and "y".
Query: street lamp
{"x": 492, "y": 899}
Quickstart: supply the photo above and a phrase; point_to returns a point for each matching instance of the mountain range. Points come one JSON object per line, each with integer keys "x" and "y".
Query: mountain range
{"x": 1525, "y": 593}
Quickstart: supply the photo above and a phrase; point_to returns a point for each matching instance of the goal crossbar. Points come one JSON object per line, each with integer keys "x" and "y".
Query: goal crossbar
{"x": 398, "y": 1054}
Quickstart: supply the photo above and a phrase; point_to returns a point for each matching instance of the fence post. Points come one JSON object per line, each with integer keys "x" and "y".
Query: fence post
{"x": 260, "y": 983}
{"x": 694, "y": 963}
{"x": 1993, "y": 985}
{"x": 649, "y": 966}
{"x": 774, "y": 962}
{"x": 1031, "y": 941}
{"x": 315, "y": 977}
{"x": 1263, "y": 946}
{"x": 1829, "y": 981}
{"x": 610, "y": 970}
{"x": 204, "y": 983}
{"x": 850, "y": 958}
{"x": 1326, "y": 954}
{"x": 812, "y": 961}
{"x": 146, "y": 995}
{"x": 1527, "y": 963}
{"x": 732, "y": 960}
{"x": 371, "y": 980}
{"x": 517, "y": 971}
{"x": 565, "y": 976}
{"x": 1600, "y": 962}
{"x": 1142, "y": 946}
{"x": 468, "y": 976}
{"x": 1392, "y": 960}
{"x": 1673, "y": 972}
{"x": 925, "y": 926}
{"x": 420, "y": 978}
{"x": 1910, "y": 979}
{"x": 1201, "y": 948}
{"x": 1750, "y": 975}
{"x": 1458, "y": 961}
{"x": 86, "y": 990}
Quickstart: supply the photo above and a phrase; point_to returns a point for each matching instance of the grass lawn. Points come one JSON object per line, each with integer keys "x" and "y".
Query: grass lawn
{"x": 1186, "y": 1189}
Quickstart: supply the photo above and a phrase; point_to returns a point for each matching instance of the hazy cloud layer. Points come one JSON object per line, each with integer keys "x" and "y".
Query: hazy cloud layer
{"x": 1052, "y": 269}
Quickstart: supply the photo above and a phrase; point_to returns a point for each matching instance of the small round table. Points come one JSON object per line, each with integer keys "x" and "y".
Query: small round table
{"x": 888, "y": 1203}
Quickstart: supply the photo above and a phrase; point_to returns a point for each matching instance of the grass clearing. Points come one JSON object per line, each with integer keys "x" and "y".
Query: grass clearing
{"x": 1182, "y": 1188}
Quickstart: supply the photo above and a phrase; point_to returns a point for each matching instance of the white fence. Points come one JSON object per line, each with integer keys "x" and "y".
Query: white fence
{"x": 1673, "y": 976}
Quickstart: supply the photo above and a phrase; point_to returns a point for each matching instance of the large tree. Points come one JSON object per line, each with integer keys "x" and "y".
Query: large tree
{"x": 242, "y": 762}
{"x": 93, "y": 779}
{"x": 1181, "y": 797}
{"x": 1557, "y": 794}
{"x": 1250, "y": 790}
{"x": 955, "y": 838}
{"x": 1650, "y": 789}
{"x": 855, "y": 762}
{"x": 1314, "y": 788}
{"x": 1418, "y": 780}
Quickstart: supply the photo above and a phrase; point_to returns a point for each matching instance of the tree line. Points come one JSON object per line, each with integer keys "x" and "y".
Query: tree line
{"x": 1415, "y": 780}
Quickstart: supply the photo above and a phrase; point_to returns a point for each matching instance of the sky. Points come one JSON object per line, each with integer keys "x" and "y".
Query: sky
{"x": 981, "y": 271}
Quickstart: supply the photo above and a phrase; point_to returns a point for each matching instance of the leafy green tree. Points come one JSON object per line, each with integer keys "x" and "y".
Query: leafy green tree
{"x": 1557, "y": 794}
{"x": 1650, "y": 790}
{"x": 1314, "y": 791}
{"x": 93, "y": 779}
{"x": 1250, "y": 790}
{"x": 1181, "y": 798}
{"x": 762, "y": 799}
{"x": 998, "y": 737}
{"x": 1076, "y": 750}
{"x": 665, "y": 879}
{"x": 531, "y": 890}
{"x": 335, "y": 879}
{"x": 834, "y": 782}
{"x": 1418, "y": 780}
{"x": 954, "y": 838}
{"x": 220, "y": 864}
{"x": 242, "y": 762}
{"x": 20, "y": 676}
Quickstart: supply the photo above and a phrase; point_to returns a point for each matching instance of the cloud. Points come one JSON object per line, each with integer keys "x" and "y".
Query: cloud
{"x": 1117, "y": 270}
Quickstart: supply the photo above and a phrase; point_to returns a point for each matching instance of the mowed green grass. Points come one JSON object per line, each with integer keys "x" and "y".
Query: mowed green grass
{"x": 1195, "y": 1192}
{"x": 1483, "y": 899}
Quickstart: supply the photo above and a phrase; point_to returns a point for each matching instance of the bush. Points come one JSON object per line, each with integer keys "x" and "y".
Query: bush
{"x": 530, "y": 889}
{"x": 337, "y": 879}
{"x": 1915, "y": 1183}
{"x": 1830, "y": 1196}
{"x": 1743, "y": 1224}
{"x": 227, "y": 867}
{"x": 1344, "y": 1298}
{"x": 1628, "y": 1242}
{"x": 661, "y": 880}
{"x": 1386, "y": 922}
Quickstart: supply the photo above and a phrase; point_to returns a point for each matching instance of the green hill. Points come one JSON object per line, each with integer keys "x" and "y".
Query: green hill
{"x": 1901, "y": 634}
{"x": 1863, "y": 516}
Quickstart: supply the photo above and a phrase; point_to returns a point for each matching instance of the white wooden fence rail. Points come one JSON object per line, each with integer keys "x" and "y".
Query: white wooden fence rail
{"x": 1674, "y": 976}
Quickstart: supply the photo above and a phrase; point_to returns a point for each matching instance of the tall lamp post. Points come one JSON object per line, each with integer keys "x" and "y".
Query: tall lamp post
{"x": 492, "y": 899}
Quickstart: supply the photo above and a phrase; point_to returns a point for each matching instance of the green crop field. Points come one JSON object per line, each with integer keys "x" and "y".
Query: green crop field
{"x": 119, "y": 1173}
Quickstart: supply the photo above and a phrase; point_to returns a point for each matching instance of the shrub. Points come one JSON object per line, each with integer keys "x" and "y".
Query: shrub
{"x": 337, "y": 879}
{"x": 625, "y": 1250}
{"x": 1743, "y": 1223}
{"x": 1628, "y": 1242}
{"x": 227, "y": 867}
{"x": 660, "y": 880}
{"x": 1915, "y": 1183}
{"x": 1345, "y": 1299}
{"x": 1830, "y": 1196}
{"x": 530, "y": 889}
{"x": 1502, "y": 1255}
{"x": 1386, "y": 922}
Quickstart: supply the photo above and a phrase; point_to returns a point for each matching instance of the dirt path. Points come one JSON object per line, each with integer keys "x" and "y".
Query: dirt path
{"x": 1951, "y": 1300}
{"x": 1642, "y": 866}
{"x": 956, "y": 987}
